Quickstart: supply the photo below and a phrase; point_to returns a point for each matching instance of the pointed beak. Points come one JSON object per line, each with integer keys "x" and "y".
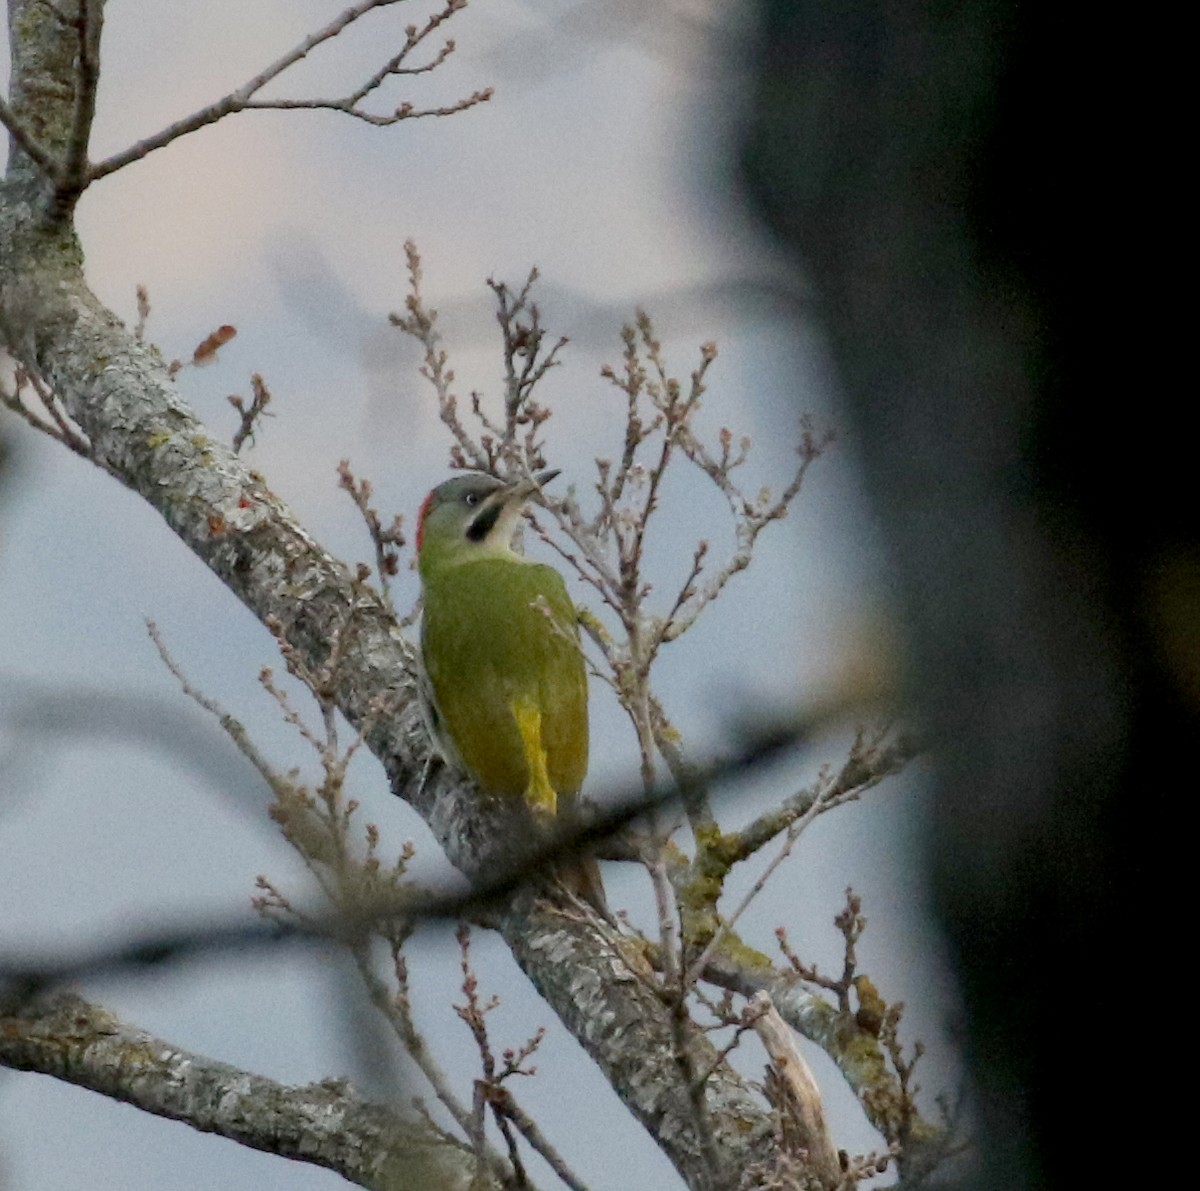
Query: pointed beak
{"x": 503, "y": 507}
{"x": 522, "y": 490}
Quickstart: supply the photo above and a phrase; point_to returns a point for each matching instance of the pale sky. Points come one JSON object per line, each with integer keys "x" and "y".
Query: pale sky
{"x": 606, "y": 160}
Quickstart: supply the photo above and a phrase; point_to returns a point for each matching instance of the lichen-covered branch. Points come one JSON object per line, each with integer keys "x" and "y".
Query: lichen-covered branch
{"x": 609, "y": 998}
{"x": 327, "y": 1124}
{"x": 855, "y": 1049}
{"x": 870, "y": 761}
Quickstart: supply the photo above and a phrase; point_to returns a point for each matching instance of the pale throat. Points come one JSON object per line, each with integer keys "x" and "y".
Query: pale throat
{"x": 499, "y": 542}
{"x": 504, "y": 533}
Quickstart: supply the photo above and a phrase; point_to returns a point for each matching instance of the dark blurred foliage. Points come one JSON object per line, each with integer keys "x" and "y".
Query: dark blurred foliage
{"x": 961, "y": 183}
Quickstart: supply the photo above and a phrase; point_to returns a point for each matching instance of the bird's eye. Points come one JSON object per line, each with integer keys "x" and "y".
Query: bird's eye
{"x": 472, "y": 498}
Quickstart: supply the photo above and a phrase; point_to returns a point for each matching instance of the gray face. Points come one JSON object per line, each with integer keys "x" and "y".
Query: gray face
{"x": 467, "y": 491}
{"x": 464, "y": 501}
{"x": 475, "y": 503}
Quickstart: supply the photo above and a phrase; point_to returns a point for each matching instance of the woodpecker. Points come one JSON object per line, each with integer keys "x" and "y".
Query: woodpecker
{"x": 505, "y": 677}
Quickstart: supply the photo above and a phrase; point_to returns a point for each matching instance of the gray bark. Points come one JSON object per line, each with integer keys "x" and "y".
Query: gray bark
{"x": 326, "y": 1124}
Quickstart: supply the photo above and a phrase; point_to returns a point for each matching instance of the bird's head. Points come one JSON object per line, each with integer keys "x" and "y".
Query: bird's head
{"x": 472, "y": 513}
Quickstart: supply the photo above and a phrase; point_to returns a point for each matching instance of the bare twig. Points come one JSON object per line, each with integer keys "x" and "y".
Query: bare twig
{"x": 525, "y": 364}
{"x": 387, "y": 540}
{"x": 693, "y": 789}
{"x": 232, "y": 727}
{"x": 397, "y": 1012}
{"x": 58, "y": 427}
{"x": 665, "y": 912}
{"x": 490, "y": 1091}
{"x": 506, "y": 1106}
{"x": 317, "y": 827}
{"x": 872, "y": 758}
{"x": 88, "y": 23}
{"x": 244, "y": 97}
{"x": 745, "y": 1022}
{"x": 143, "y": 313}
{"x": 253, "y": 414}
{"x": 420, "y": 322}
{"x": 851, "y": 922}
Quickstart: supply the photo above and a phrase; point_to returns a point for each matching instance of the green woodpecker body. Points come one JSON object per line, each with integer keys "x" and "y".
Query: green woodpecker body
{"x": 500, "y": 645}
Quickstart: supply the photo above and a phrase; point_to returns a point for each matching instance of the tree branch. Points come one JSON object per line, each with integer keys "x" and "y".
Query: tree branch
{"x": 88, "y": 23}
{"x": 326, "y": 1124}
{"x": 857, "y": 1052}
{"x": 799, "y": 1090}
{"x": 870, "y": 761}
{"x": 243, "y": 98}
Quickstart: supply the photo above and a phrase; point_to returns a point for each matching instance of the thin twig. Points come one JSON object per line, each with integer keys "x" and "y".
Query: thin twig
{"x": 750, "y": 1015}
{"x": 243, "y": 97}
{"x": 420, "y": 322}
{"x": 232, "y": 727}
{"x": 870, "y": 761}
{"x": 143, "y": 313}
{"x": 509, "y": 1108}
{"x": 58, "y": 428}
{"x": 387, "y": 541}
{"x": 696, "y": 969}
{"x": 396, "y": 1013}
{"x": 251, "y": 415}
{"x": 88, "y": 24}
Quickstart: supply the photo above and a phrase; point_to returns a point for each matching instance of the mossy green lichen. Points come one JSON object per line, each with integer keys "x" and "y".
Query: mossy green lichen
{"x": 716, "y": 852}
{"x": 742, "y": 955}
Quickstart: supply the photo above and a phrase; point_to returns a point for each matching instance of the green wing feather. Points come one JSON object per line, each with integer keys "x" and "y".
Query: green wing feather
{"x": 497, "y": 633}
